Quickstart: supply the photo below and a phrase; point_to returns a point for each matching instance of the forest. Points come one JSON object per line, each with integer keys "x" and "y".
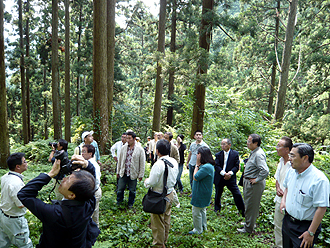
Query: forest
{"x": 227, "y": 67}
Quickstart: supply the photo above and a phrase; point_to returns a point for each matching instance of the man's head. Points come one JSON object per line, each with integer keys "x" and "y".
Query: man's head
{"x": 301, "y": 156}
{"x": 253, "y": 141}
{"x": 168, "y": 136}
{"x": 16, "y": 162}
{"x": 80, "y": 186}
{"x": 87, "y": 137}
{"x": 198, "y": 136}
{"x": 284, "y": 147}
{"x": 148, "y": 138}
{"x": 163, "y": 148}
{"x": 88, "y": 151}
{"x": 160, "y": 135}
{"x": 62, "y": 144}
{"x": 225, "y": 144}
{"x": 131, "y": 136}
{"x": 124, "y": 137}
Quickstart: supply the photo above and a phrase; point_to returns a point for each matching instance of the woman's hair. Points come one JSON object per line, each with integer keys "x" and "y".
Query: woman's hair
{"x": 206, "y": 155}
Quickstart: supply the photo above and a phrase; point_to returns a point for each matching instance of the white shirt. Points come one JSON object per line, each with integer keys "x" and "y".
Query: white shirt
{"x": 280, "y": 174}
{"x": 116, "y": 147}
{"x": 155, "y": 179}
{"x": 11, "y": 183}
{"x": 97, "y": 172}
{"x": 225, "y": 156}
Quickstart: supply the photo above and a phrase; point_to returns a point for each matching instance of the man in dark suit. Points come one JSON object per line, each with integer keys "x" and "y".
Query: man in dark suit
{"x": 226, "y": 166}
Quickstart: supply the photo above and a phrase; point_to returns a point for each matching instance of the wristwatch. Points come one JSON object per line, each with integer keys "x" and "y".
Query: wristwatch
{"x": 310, "y": 233}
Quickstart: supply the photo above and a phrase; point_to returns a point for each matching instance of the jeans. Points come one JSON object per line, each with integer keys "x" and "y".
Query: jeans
{"x": 122, "y": 182}
{"x": 191, "y": 174}
{"x": 178, "y": 179}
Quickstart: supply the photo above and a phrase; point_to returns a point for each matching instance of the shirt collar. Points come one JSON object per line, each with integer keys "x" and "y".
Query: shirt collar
{"x": 255, "y": 150}
{"x": 16, "y": 174}
{"x": 305, "y": 172}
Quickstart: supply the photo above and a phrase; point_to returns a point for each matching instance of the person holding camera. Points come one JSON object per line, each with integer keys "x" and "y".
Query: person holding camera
{"x": 66, "y": 223}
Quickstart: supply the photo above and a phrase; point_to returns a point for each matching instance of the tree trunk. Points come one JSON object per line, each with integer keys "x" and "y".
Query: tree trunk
{"x": 27, "y": 53}
{"x": 22, "y": 70}
{"x": 204, "y": 42}
{"x": 159, "y": 79}
{"x": 281, "y": 95}
{"x": 172, "y": 69}
{"x": 111, "y": 25}
{"x": 4, "y": 137}
{"x": 274, "y": 66}
{"x": 67, "y": 73}
{"x": 79, "y": 54}
{"x": 45, "y": 104}
{"x": 100, "y": 85}
{"x": 55, "y": 73}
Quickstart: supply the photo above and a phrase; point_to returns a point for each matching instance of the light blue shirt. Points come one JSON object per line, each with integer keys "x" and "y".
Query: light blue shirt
{"x": 193, "y": 149}
{"x": 306, "y": 192}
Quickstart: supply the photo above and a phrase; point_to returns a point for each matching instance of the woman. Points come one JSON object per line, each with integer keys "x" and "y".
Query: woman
{"x": 202, "y": 188}
{"x": 181, "y": 147}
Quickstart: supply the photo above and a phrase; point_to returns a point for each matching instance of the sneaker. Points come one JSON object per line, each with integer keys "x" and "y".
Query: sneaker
{"x": 194, "y": 231}
{"x": 242, "y": 230}
{"x": 243, "y": 223}
{"x": 205, "y": 228}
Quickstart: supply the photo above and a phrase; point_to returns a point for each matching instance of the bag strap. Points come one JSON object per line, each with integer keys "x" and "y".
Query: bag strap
{"x": 167, "y": 163}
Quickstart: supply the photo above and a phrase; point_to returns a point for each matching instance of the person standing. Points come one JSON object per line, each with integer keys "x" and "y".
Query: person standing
{"x": 14, "y": 229}
{"x": 181, "y": 147}
{"x": 254, "y": 182}
{"x": 283, "y": 149}
{"x": 87, "y": 138}
{"x": 305, "y": 198}
{"x": 117, "y": 147}
{"x": 160, "y": 223}
{"x": 226, "y": 167}
{"x": 152, "y": 145}
{"x": 192, "y": 157}
{"x": 202, "y": 188}
{"x": 131, "y": 165}
{"x": 174, "y": 153}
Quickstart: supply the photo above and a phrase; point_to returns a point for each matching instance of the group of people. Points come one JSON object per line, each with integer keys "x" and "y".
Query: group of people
{"x": 302, "y": 191}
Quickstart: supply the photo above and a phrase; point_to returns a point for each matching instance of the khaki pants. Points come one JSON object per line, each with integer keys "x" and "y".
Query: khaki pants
{"x": 95, "y": 216}
{"x": 160, "y": 224}
{"x": 278, "y": 219}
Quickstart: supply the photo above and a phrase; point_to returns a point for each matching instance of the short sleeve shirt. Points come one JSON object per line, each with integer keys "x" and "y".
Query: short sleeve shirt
{"x": 193, "y": 149}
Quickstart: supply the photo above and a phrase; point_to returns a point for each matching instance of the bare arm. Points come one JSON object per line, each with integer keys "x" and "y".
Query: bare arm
{"x": 188, "y": 160}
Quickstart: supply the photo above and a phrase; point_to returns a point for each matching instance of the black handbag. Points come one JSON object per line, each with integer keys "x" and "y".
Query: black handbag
{"x": 154, "y": 202}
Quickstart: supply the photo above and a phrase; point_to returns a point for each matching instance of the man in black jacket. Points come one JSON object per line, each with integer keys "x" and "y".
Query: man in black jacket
{"x": 226, "y": 167}
{"x": 66, "y": 223}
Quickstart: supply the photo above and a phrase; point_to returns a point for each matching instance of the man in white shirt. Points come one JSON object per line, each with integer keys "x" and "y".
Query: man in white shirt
{"x": 14, "y": 229}
{"x": 283, "y": 149}
{"x": 117, "y": 147}
{"x": 160, "y": 223}
{"x": 88, "y": 152}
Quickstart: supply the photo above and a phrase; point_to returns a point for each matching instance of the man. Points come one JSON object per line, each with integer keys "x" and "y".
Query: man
{"x": 152, "y": 149}
{"x": 14, "y": 229}
{"x": 88, "y": 152}
{"x": 305, "y": 199}
{"x": 131, "y": 164}
{"x": 226, "y": 167}
{"x": 192, "y": 156}
{"x": 181, "y": 147}
{"x": 174, "y": 153}
{"x": 66, "y": 223}
{"x": 254, "y": 182}
{"x": 117, "y": 147}
{"x": 87, "y": 138}
{"x": 283, "y": 149}
{"x": 160, "y": 223}
{"x": 147, "y": 149}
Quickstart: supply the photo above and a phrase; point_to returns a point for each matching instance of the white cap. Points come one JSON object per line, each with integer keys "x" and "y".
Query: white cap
{"x": 86, "y": 133}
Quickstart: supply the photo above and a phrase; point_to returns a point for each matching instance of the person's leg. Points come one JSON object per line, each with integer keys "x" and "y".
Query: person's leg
{"x": 4, "y": 240}
{"x": 178, "y": 179}
{"x": 204, "y": 222}
{"x": 191, "y": 174}
{"x": 218, "y": 194}
{"x": 278, "y": 219}
{"x": 95, "y": 216}
{"x": 197, "y": 219}
{"x": 232, "y": 186}
{"x": 286, "y": 241}
{"x": 121, "y": 189}
{"x": 167, "y": 216}
{"x": 132, "y": 191}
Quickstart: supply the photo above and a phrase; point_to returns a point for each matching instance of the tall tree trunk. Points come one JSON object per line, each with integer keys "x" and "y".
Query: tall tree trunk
{"x": 22, "y": 70}
{"x": 100, "y": 85}
{"x": 45, "y": 104}
{"x": 111, "y": 25}
{"x": 281, "y": 95}
{"x": 172, "y": 69}
{"x": 55, "y": 73}
{"x": 67, "y": 73}
{"x": 27, "y": 53}
{"x": 274, "y": 66}
{"x": 159, "y": 79}
{"x": 78, "y": 59}
{"x": 204, "y": 42}
{"x": 4, "y": 136}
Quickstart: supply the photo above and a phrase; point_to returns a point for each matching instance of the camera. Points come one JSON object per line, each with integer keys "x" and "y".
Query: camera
{"x": 66, "y": 164}
{"x": 53, "y": 144}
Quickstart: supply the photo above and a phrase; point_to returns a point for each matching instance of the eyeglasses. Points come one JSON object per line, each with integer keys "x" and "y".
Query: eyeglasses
{"x": 277, "y": 147}
{"x": 291, "y": 155}
{"x": 24, "y": 162}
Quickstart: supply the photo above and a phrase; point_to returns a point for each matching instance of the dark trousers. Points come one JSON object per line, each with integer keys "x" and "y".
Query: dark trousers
{"x": 292, "y": 229}
{"x": 122, "y": 182}
{"x": 232, "y": 186}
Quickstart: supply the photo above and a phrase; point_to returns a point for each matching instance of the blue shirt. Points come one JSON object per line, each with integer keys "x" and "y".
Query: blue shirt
{"x": 193, "y": 149}
{"x": 202, "y": 187}
{"x": 306, "y": 192}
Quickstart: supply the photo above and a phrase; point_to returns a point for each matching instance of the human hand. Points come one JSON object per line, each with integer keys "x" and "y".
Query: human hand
{"x": 253, "y": 180}
{"x": 117, "y": 176}
{"x": 279, "y": 192}
{"x": 227, "y": 176}
{"x": 55, "y": 169}
{"x": 140, "y": 178}
{"x": 307, "y": 240}
{"x": 115, "y": 158}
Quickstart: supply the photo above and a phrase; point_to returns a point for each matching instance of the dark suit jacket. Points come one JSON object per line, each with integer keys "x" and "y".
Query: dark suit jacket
{"x": 232, "y": 165}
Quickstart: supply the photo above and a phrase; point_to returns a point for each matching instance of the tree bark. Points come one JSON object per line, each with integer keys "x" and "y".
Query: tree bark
{"x": 4, "y": 137}
{"x": 78, "y": 59}
{"x": 27, "y": 53}
{"x": 172, "y": 69}
{"x": 45, "y": 104}
{"x": 55, "y": 73}
{"x": 204, "y": 42}
{"x": 100, "y": 85}
{"x": 159, "y": 79}
{"x": 22, "y": 70}
{"x": 111, "y": 26}
{"x": 67, "y": 73}
{"x": 274, "y": 66}
{"x": 281, "y": 95}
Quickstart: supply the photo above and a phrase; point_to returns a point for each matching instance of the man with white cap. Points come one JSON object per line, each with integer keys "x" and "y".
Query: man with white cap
{"x": 87, "y": 138}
